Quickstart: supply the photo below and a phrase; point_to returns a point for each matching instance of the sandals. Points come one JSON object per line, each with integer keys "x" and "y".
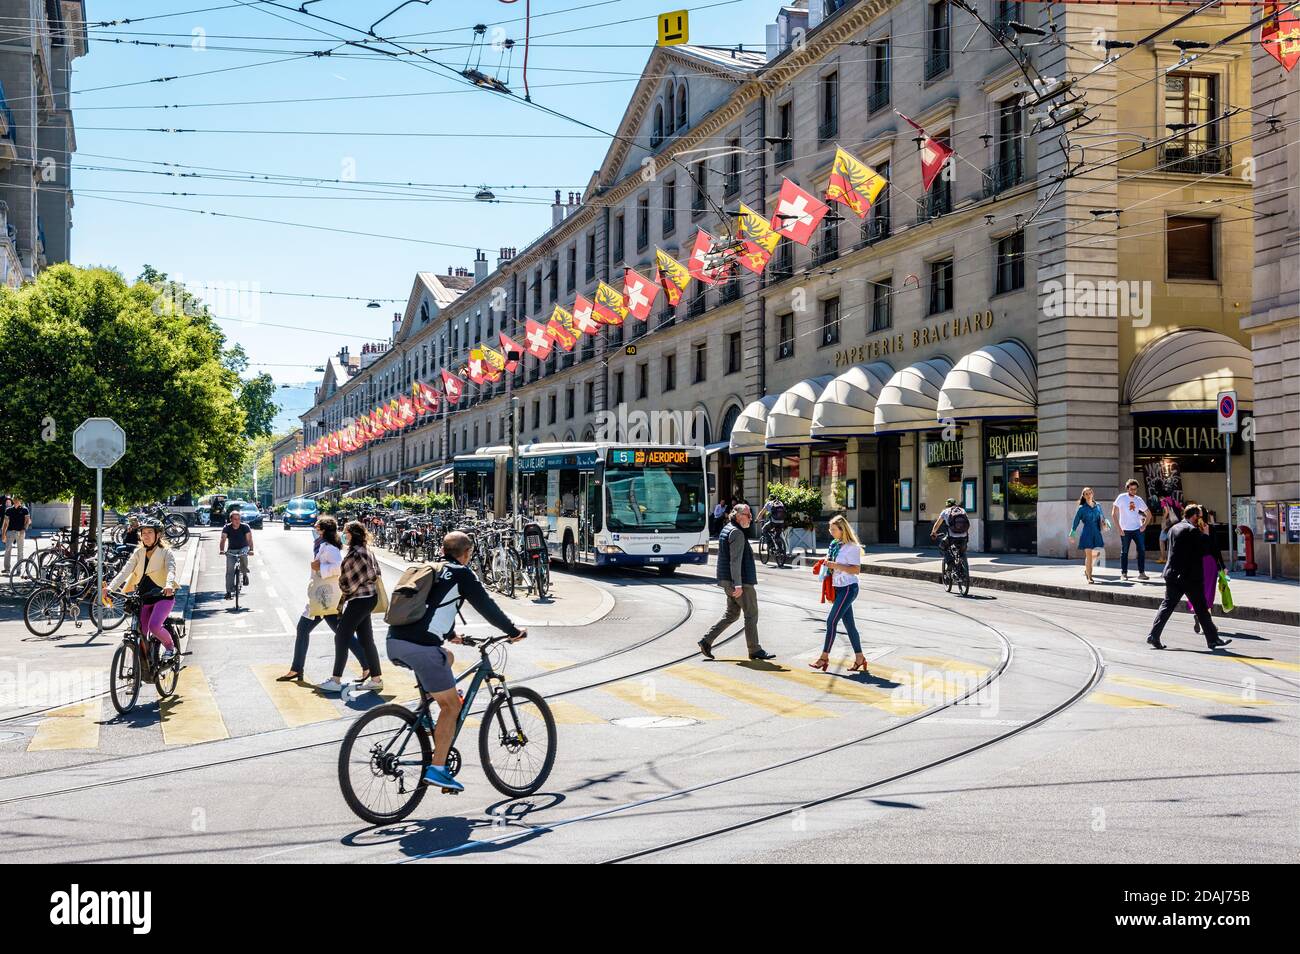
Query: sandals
{"x": 820, "y": 664}
{"x": 859, "y": 666}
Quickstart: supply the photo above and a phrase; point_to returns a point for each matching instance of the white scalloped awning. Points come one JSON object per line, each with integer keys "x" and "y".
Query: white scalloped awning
{"x": 909, "y": 401}
{"x": 789, "y": 423}
{"x": 998, "y": 380}
{"x": 1186, "y": 370}
{"x": 749, "y": 434}
{"x": 847, "y": 408}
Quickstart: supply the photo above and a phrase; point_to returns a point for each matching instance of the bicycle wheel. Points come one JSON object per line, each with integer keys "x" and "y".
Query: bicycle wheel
{"x": 166, "y": 677}
{"x": 509, "y": 570}
{"x": 111, "y": 616}
{"x": 177, "y": 531}
{"x": 124, "y": 678}
{"x": 963, "y": 577}
{"x": 44, "y": 611}
{"x": 380, "y": 777}
{"x": 947, "y": 576}
{"x": 762, "y": 549}
{"x": 782, "y": 558}
{"x": 25, "y": 577}
{"x": 543, "y": 575}
{"x": 516, "y": 742}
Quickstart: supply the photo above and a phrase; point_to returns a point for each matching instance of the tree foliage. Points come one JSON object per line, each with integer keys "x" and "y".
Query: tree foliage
{"x": 256, "y": 395}
{"x": 81, "y": 343}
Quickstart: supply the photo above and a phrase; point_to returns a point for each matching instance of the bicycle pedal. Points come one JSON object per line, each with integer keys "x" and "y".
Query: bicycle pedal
{"x": 451, "y": 791}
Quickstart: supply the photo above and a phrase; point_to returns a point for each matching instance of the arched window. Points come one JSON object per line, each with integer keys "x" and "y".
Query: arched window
{"x": 729, "y": 422}
{"x": 681, "y": 107}
{"x": 657, "y": 129}
{"x": 670, "y": 96}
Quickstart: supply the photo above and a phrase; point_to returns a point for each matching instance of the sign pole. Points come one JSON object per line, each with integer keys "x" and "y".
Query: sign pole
{"x": 99, "y": 549}
{"x": 1232, "y": 540}
{"x": 514, "y": 452}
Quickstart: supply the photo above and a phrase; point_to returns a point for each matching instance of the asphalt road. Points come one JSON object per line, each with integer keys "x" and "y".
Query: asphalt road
{"x": 999, "y": 727}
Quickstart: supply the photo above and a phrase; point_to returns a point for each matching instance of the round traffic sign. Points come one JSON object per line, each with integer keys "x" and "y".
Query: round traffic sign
{"x": 99, "y": 442}
{"x": 1227, "y": 406}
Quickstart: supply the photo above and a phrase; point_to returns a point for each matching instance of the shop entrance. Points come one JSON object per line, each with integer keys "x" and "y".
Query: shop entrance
{"x": 887, "y": 486}
{"x": 1011, "y": 490}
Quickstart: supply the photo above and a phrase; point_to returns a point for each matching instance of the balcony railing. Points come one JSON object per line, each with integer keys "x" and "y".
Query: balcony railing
{"x": 1004, "y": 174}
{"x": 1195, "y": 158}
{"x": 697, "y": 306}
{"x": 937, "y": 63}
{"x": 784, "y": 152}
{"x": 782, "y": 265}
{"x": 828, "y": 128}
{"x": 936, "y": 202}
{"x": 825, "y": 251}
{"x": 878, "y": 98}
{"x": 731, "y": 184}
{"x": 1004, "y": 15}
{"x": 875, "y": 228}
{"x": 729, "y": 293}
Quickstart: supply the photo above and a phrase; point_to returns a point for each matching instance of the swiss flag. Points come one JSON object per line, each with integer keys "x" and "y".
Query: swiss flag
{"x": 538, "y": 340}
{"x": 703, "y": 242}
{"x": 453, "y": 385}
{"x": 934, "y": 154}
{"x": 798, "y": 213}
{"x": 638, "y": 293}
{"x": 510, "y": 346}
{"x": 582, "y": 317}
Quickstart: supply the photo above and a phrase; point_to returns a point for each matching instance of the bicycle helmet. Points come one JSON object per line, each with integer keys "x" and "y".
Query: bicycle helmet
{"x": 151, "y": 523}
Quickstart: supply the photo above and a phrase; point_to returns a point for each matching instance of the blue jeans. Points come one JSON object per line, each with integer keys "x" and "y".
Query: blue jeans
{"x": 1139, "y": 538}
{"x": 842, "y": 609}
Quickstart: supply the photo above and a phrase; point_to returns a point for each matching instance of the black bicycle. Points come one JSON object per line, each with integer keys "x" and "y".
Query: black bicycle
{"x": 139, "y": 659}
{"x": 386, "y": 752}
{"x": 956, "y": 571}
{"x": 771, "y": 544}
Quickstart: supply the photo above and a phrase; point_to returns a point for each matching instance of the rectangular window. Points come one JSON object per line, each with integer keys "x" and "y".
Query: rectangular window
{"x": 828, "y": 125}
{"x": 827, "y": 247}
{"x": 1008, "y": 165}
{"x": 785, "y": 336}
{"x": 700, "y": 364}
{"x": 878, "y": 91}
{"x": 1192, "y": 105}
{"x": 876, "y": 225}
{"x": 571, "y": 273}
{"x": 642, "y": 223}
{"x": 698, "y": 201}
{"x": 1006, "y": 12}
{"x": 882, "y": 304}
{"x": 553, "y": 277}
{"x": 1189, "y": 248}
{"x": 940, "y": 286}
{"x": 734, "y": 354}
{"x": 785, "y": 133}
{"x": 782, "y": 265}
{"x": 732, "y": 181}
{"x": 589, "y": 396}
{"x": 550, "y": 408}
{"x": 618, "y": 387}
{"x": 537, "y": 413}
{"x": 591, "y": 256}
{"x": 670, "y": 372}
{"x": 537, "y": 294}
{"x": 569, "y": 408}
{"x": 698, "y": 301}
{"x": 938, "y": 201}
{"x": 670, "y": 207}
{"x": 618, "y": 237}
{"x": 1010, "y": 263}
{"x": 938, "y": 42}
{"x": 642, "y": 380}
{"x": 830, "y": 321}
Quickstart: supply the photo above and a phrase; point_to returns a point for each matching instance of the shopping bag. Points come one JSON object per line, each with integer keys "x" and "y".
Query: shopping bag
{"x": 323, "y": 596}
{"x": 1225, "y": 593}
{"x": 381, "y": 597}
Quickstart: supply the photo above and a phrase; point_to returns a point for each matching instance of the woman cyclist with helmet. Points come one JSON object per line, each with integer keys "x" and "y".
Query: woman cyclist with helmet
{"x": 150, "y": 571}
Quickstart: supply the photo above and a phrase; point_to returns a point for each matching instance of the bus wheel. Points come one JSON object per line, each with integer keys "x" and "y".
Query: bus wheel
{"x": 668, "y": 569}
{"x": 569, "y": 555}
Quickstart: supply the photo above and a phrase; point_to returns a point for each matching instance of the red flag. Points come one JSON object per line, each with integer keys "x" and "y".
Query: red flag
{"x": 798, "y": 213}
{"x": 539, "y": 341}
{"x": 510, "y": 347}
{"x": 696, "y": 265}
{"x": 432, "y": 399}
{"x": 638, "y": 294}
{"x": 1280, "y": 37}
{"x": 583, "y": 319}
{"x": 934, "y": 154}
{"x": 453, "y": 385}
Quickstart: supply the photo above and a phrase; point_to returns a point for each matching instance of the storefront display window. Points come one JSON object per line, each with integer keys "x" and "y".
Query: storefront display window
{"x": 783, "y": 468}
{"x": 828, "y": 471}
{"x": 1011, "y": 488}
{"x": 938, "y": 469}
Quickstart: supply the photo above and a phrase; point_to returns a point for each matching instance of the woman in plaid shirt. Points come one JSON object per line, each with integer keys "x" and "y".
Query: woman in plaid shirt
{"x": 358, "y": 582}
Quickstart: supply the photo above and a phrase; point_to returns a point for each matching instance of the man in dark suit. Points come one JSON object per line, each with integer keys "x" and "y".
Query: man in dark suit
{"x": 1184, "y": 577}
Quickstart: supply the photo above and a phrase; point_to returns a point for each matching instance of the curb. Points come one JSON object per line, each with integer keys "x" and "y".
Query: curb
{"x": 187, "y": 589}
{"x": 1251, "y": 613}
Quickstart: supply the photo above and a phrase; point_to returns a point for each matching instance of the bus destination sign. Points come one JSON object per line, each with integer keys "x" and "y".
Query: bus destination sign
{"x": 648, "y": 457}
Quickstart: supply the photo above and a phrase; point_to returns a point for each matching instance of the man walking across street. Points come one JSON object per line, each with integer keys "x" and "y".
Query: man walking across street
{"x": 13, "y": 528}
{"x": 1184, "y": 576}
{"x": 737, "y": 576}
{"x": 1131, "y": 514}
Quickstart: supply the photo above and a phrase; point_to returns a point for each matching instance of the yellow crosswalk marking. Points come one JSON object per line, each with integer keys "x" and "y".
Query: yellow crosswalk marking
{"x": 192, "y": 715}
{"x": 569, "y": 713}
{"x": 71, "y": 727}
{"x": 297, "y": 703}
{"x": 1124, "y": 702}
{"x": 1206, "y": 695}
{"x": 1261, "y": 661}
{"x": 851, "y": 688}
{"x": 948, "y": 665}
{"x": 647, "y": 696}
{"x": 752, "y": 695}
{"x": 399, "y": 682}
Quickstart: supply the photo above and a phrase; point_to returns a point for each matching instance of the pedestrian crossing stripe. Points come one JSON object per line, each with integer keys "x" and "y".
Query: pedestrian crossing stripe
{"x": 298, "y": 703}
{"x": 1261, "y": 661}
{"x": 849, "y": 686}
{"x": 1205, "y": 695}
{"x": 949, "y": 665}
{"x": 645, "y": 694}
{"x": 191, "y": 715}
{"x": 69, "y": 727}
{"x": 1124, "y": 702}
{"x": 774, "y": 702}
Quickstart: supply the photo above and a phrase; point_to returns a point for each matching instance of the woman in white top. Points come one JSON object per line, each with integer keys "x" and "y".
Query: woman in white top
{"x": 327, "y": 559}
{"x": 844, "y": 562}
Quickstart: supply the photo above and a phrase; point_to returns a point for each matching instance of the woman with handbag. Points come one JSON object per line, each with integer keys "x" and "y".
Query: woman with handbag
{"x": 1211, "y": 564}
{"x": 360, "y": 587}
{"x": 327, "y": 558}
{"x": 843, "y": 563}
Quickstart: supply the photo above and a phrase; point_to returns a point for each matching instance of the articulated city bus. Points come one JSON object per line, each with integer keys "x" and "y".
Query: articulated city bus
{"x": 480, "y": 481}
{"x": 618, "y": 504}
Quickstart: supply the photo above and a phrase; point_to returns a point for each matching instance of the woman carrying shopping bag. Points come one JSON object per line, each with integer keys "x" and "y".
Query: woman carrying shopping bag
{"x": 1211, "y": 567}
{"x": 843, "y": 562}
{"x": 361, "y": 588}
{"x": 323, "y": 593}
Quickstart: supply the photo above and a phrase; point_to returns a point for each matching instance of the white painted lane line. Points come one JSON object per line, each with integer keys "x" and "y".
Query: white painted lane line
{"x": 284, "y": 621}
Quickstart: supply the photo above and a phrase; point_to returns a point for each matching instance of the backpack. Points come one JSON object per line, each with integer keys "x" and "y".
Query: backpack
{"x": 958, "y": 522}
{"x": 410, "y": 597}
{"x": 777, "y": 512}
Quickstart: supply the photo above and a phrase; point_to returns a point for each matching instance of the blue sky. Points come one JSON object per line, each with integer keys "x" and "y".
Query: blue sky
{"x": 126, "y": 219}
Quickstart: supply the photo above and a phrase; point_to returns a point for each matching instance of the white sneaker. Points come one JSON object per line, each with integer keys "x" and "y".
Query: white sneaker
{"x": 373, "y": 684}
{"x": 330, "y": 685}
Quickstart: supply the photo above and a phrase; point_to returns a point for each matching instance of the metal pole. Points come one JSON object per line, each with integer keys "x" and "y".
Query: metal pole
{"x": 99, "y": 556}
{"x": 1227, "y": 455}
{"x": 514, "y": 452}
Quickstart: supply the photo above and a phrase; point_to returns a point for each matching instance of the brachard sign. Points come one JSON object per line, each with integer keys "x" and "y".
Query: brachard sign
{"x": 999, "y": 446}
{"x": 929, "y": 334}
{"x": 1181, "y": 435}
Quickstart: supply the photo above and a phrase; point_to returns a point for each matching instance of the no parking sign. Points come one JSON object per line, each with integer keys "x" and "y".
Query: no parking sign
{"x": 1227, "y": 410}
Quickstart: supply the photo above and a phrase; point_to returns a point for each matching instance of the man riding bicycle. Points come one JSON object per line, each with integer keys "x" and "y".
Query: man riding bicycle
{"x": 419, "y": 645}
{"x": 956, "y": 524}
{"x": 774, "y": 512}
{"x": 237, "y": 545}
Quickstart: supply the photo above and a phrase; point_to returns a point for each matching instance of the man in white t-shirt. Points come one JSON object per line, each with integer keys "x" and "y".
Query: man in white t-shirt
{"x": 1131, "y": 514}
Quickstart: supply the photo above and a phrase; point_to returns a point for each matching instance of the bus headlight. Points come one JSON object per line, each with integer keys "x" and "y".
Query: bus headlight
{"x": 699, "y": 548}
{"x": 611, "y": 549}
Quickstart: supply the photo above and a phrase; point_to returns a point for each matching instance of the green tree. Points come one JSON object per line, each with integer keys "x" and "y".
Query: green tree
{"x": 81, "y": 343}
{"x": 256, "y": 395}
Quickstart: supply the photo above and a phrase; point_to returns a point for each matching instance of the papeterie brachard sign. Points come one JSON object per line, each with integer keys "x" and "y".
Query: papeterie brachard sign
{"x": 1018, "y": 443}
{"x": 944, "y": 453}
{"x": 1180, "y": 435}
{"x": 928, "y": 334}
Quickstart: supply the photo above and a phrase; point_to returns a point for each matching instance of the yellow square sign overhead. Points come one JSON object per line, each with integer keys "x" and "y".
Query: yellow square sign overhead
{"x": 673, "y": 27}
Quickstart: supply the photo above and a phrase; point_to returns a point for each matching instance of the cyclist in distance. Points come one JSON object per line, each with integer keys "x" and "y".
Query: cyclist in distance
{"x": 774, "y": 512}
{"x": 151, "y": 571}
{"x": 235, "y": 537}
{"x": 956, "y": 524}
{"x": 420, "y": 645}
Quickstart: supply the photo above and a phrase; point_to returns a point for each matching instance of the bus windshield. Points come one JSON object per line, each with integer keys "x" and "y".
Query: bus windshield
{"x": 666, "y": 496}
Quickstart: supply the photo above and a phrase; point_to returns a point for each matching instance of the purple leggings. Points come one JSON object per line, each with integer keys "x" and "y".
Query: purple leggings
{"x": 152, "y": 616}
